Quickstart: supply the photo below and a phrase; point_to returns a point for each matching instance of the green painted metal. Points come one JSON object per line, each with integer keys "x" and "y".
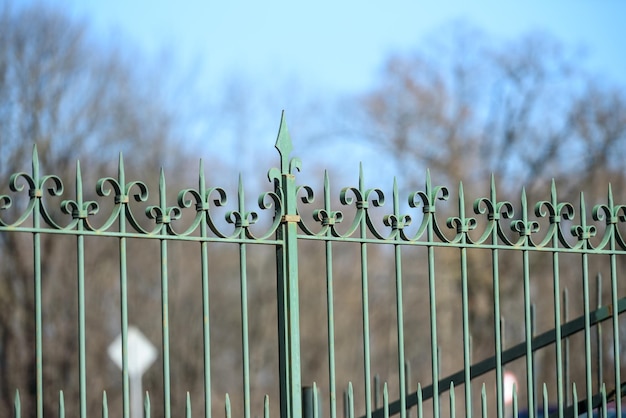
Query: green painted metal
{"x": 17, "y": 405}
{"x": 497, "y": 315}
{"x": 203, "y": 209}
{"x": 36, "y": 192}
{"x": 452, "y": 394}
{"x": 514, "y": 353}
{"x": 330, "y": 306}
{"x": 105, "y": 405}
{"x": 287, "y": 267}
{"x": 121, "y": 199}
{"x": 496, "y": 230}
{"x": 146, "y": 406}
{"x": 483, "y": 401}
{"x": 227, "y": 407}
{"x": 611, "y": 213}
{"x": 61, "y": 405}
{"x": 566, "y": 350}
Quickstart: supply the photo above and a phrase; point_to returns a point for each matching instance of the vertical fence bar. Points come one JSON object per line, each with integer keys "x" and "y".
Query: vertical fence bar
{"x": 17, "y": 405}
{"x": 243, "y": 281}
{"x": 105, "y": 405}
{"x": 555, "y": 220}
{"x": 227, "y": 411}
{"x": 463, "y": 229}
{"x": 615, "y": 319}
{"x": 330, "y": 309}
{"x": 614, "y": 292}
{"x": 420, "y": 406}
{"x": 497, "y": 316}
{"x": 533, "y": 332}
{"x": 365, "y": 312}
{"x": 385, "y": 401}
{"x": 399, "y": 305}
{"x": 146, "y": 406}
{"x": 588, "y": 379}
{"x": 165, "y": 326}
{"x": 350, "y": 400}
{"x": 400, "y": 330}
{"x": 432, "y": 295}
{"x": 80, "y": 263}
{"x": 37, "y": 194}
{"x": 244, "y": 329}
{"x": 527, "y": 314}
{"x": 483, "y": 401}
{"x": 287, "y": 277}
{"x": 584, "y": 233}
{"x": 566, "y": 351}
{"x": 452, "y": 401}
{"x": 204, "y": 262}
{"x": 122, "y": 199}
{"x": 515, "y": 402}
{"x": 599, "y": 342}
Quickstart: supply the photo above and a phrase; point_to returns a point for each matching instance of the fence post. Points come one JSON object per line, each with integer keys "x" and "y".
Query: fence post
{"x": 287, "y": 280}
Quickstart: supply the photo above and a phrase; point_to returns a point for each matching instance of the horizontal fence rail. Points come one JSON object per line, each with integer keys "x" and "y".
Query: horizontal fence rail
{"x": 416, "y": 287}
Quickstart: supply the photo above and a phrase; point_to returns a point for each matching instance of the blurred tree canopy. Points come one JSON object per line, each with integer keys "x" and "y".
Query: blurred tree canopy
{"x": 467, "y": 106}
{"x": 75, "y": 97}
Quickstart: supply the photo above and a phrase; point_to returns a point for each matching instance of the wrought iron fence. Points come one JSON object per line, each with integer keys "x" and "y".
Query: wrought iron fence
{"x": 410, "y": 233}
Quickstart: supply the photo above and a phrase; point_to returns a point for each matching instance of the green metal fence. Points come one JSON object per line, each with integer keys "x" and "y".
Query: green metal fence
{"x": 410, "y": 235}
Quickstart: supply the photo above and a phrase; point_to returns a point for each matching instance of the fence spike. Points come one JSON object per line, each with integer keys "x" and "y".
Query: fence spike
{"x": 483, "y": 401}
{"x": 385, "y": 400}
{"x": 61, "y": 405}
{"x": 575, "y": 399}
{"x": 227, "y": 406}
{"x": 315, "y": 401}
{"x": 17, "y": 405}
{"x": 350, "y": 400}
{"x": 283, "y": 142}
{"x": 146, "y": 406}
{"x": 515, "y": 406}
{"x": 452, "y": 401}
{"x": 105, "y": 405}
{"x": 420, "y": 407}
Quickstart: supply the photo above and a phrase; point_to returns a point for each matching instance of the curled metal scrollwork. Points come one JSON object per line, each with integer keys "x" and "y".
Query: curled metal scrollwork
{"x": 564, "y": 227}
{"x": 203, "y": 213}
{"x": 159, "y": 219}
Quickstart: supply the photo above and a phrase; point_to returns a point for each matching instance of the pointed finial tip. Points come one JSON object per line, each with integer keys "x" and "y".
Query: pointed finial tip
{"x": 283, "y": 140}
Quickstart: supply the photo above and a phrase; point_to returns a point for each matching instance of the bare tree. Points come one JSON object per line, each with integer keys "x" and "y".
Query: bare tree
{"x": 525, "y": 111}
{"x": 74, "y": 97}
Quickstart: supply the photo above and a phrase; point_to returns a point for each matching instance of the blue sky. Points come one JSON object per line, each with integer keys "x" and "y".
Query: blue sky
{"x": 321, "y": 50}
{"x": 340, "y": 45}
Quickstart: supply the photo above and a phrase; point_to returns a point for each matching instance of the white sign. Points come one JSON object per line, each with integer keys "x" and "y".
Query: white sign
{"x": 510, "y": 385}
{"x": 141, "y": 352}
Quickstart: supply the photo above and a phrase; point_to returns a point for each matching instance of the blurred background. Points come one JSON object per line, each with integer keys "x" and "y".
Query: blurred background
{"x": 530, "y": 93}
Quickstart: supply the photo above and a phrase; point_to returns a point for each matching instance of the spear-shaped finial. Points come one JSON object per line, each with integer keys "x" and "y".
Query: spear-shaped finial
{"x": 283, "y": 143}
